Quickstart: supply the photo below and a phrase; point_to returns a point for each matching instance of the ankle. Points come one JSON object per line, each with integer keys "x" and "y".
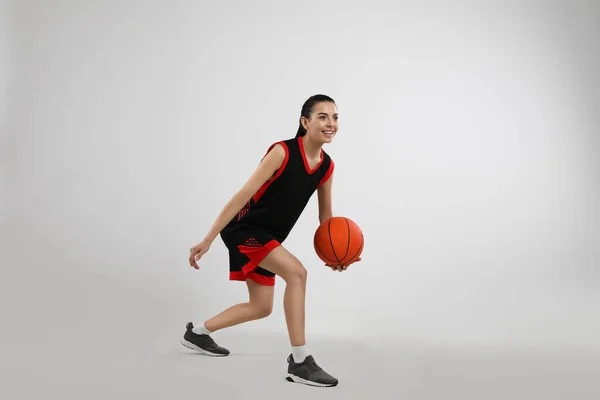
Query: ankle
{"x": 300, "y": 353}
{"x": 202, "y": 330}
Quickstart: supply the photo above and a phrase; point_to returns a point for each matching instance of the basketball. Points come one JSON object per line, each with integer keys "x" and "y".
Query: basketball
{"x": 338, "y": 241}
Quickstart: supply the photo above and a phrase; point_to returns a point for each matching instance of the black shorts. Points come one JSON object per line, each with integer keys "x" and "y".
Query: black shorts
{"x": 248, "y": 246}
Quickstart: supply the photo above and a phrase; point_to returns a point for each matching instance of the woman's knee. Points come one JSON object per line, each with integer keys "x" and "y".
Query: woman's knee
{"x": 261, "y": 299}
{"x": 261, "y": 309}
{"x": 297, "y": 274}
{"x": 286, "y": 265}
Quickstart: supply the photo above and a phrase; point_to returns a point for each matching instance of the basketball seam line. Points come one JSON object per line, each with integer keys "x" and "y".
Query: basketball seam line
{"x": 319, "y": 249}
{"x": 362, "y": 243}
{"x": 331, "y": 242}
{"x": 348, "y": 246}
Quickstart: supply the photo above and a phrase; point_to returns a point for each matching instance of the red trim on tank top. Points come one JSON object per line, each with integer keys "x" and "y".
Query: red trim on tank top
{"x": 327, "y": 174}
{"x": 265, "y": 185}
{"x": 301, "y": 144}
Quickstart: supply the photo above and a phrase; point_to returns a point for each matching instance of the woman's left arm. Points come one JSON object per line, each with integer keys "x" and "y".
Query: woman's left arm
{"x": 326, "y": 212}
{"x": 325, "y": 204}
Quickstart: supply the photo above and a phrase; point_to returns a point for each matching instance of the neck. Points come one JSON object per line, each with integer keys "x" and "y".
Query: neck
{"x": 311, "y": 149}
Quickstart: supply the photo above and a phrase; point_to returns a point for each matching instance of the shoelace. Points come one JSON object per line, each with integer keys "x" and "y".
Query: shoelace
{"x": 208, "y": 340}
{"x": 312, "y": 367}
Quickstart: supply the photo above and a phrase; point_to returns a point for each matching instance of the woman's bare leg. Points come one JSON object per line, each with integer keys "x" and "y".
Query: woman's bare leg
{"x": 260, "y": 305}
{"x": 283, "y": 263}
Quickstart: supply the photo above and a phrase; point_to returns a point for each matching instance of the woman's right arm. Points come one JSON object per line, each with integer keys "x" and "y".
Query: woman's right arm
{"x": 263, "y": 172}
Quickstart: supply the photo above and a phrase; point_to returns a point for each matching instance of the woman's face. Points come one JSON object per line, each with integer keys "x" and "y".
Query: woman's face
{"x": 323, "y": 123}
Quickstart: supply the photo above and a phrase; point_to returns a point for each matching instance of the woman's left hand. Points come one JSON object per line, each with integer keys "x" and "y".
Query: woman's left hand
{"x": 341, "y": 267}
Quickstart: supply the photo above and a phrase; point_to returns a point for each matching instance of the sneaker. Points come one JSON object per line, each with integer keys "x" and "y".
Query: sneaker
{"x": 309, "y": 373}
{"x": 202, "y": 343}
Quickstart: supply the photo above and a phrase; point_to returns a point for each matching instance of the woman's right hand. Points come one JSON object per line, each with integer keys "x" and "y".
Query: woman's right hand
{"x": 341, "y": 267}
{"x": 197, "y": 252}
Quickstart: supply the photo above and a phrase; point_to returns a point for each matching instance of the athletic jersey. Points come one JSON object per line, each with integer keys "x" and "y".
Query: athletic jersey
{"x": 277, "y": 205}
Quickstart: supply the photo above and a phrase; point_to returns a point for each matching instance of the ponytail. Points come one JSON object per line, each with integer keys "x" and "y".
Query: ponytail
{"x": 301, "y": 131}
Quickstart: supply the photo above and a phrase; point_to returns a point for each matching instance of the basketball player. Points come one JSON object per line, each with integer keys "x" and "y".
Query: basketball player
{"x": 253, "y": 226}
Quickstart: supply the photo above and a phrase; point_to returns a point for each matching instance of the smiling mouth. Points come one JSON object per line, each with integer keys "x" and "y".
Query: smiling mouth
{"x": 328, "y": 132}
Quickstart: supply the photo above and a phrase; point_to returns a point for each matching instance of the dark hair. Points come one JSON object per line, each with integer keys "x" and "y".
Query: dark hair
{"x": 308, "y": 108}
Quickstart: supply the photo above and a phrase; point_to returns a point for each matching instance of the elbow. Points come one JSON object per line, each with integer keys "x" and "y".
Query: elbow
{"x": 240, "y": 199}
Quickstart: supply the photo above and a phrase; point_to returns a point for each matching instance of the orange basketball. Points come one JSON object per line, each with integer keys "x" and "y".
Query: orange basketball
{"x": 338, "y": 241}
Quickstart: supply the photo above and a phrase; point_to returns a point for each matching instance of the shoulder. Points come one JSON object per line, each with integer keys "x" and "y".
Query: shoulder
{"x": 290, "y": 142}
{"x": 282, "y": 147}
{"x": 283, "y": 143}
{"x": 277, "y": 150}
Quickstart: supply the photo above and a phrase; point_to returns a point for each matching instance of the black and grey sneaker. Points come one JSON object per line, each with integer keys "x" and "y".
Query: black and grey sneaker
{"x": 202, "y": 343}
{"x": 309, "y": 373}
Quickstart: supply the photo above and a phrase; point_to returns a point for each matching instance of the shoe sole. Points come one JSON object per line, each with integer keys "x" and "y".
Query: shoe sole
{"x": 295, "y": 379}
{"x": 192, "y": 346}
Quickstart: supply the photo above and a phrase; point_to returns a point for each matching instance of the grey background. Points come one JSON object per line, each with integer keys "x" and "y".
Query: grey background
{"x": 467, "y": 153}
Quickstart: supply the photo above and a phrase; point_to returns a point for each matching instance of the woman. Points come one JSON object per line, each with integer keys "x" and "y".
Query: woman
{"x": 254, "y": 224}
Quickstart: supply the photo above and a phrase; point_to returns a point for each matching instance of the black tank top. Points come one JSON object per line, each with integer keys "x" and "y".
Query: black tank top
{"x": 278, "y": 204}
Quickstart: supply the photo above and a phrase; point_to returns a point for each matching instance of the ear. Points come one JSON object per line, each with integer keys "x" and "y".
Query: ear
{"x": 304, "y": 122}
